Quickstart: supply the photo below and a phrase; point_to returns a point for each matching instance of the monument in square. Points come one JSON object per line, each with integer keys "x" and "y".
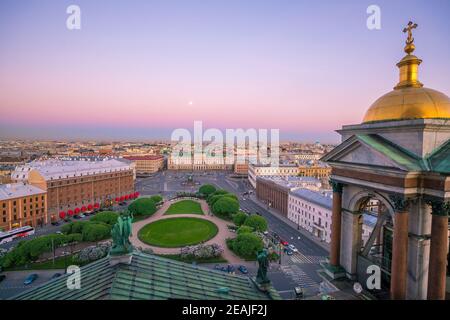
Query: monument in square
{"x": 395, "y": 165}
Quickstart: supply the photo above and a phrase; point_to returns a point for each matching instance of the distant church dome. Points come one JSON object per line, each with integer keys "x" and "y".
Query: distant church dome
{"x": 409, "y": 99}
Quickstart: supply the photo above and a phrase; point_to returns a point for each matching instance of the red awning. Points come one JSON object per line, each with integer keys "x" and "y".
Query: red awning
{"x": 90, "y": 207}
{"x": 137, "y": 194}
{"x": 83, "y": 209}
{"x": 126, "y": 197}
{"x": 117, "y": 199}
{"x": 77, "y": 210}
{"x": 62, "y": 214}
{"x": 96, "y": 205}
{"x": 70, "y": 212}
{"x": 122, "y": 198}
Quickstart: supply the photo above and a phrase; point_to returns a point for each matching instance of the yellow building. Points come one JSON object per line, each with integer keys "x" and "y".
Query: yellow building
{"x": 21, "y": 205}
{"x": 316, "y": 171}
{"x": 147, "y": 164}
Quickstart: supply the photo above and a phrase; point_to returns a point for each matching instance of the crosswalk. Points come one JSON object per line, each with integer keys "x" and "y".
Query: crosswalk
{"x": 300, "y": 278}
{"x": 301, "y": 258}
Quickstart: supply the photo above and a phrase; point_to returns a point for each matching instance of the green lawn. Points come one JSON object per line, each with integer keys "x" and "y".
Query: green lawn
{"x": 177, "y": 232}
{"x": 185, "y": 206}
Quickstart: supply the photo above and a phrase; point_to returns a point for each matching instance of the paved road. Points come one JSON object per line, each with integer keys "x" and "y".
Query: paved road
{"x": 13, "y": 283}
{"x": 299, "y": 269}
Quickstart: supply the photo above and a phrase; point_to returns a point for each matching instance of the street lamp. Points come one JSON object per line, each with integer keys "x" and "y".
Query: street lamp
{"x": 279, "y": 261}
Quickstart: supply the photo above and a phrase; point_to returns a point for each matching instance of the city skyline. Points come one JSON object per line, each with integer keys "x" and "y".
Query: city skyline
{"x": 137, "y": 73}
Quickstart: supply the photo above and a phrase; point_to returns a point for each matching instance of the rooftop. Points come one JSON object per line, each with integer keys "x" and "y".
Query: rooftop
{"x": 151, "y": 157}
{"x": 292, "y": 181}
{"x": 18, "y": 190}
{"x": 57, "y": 169}
{"x": 322, "y": 199}
{"x": 149, "y": 277}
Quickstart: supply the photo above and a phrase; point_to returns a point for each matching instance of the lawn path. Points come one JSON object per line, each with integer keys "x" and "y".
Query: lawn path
{"x": 220, "y": 238}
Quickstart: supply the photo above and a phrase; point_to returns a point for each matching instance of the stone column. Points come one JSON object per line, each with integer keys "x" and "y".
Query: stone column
{"x": 335, "y": 246}
{"x": 438, "y": 250}
{"x": 399, "y": 266}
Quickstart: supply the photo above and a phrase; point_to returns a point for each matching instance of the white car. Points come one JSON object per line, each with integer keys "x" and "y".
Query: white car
{"x": 293, "y": 248}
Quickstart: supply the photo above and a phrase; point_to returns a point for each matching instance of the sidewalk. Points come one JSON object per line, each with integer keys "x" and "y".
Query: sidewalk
{"x": 302, "y": 231}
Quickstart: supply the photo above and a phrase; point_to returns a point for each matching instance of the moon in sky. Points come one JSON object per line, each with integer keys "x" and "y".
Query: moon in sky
{"x": 190, "y": 103}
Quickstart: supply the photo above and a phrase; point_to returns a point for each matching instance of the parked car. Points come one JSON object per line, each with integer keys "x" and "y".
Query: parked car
{"x": 82, "y": 216}
{"x": 230, "y": 268}
{"x": 2, "y": 277}
{"x": 59, "y": 232}
{"x": 77, "y": 217}
{"x": 243, "y": 269}
{"x": 266, "y": 233}
{"x": 284, "y": 242}
{"x": 289, "y": 252}
{"x": 30, "y": 279}
{"x": 55, "y": 223}
{"x": 293, "y": 248}
{"x": 56, "y": 275}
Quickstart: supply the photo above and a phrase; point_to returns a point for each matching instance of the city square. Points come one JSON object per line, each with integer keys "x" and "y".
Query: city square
{"x": 231, "y": 158}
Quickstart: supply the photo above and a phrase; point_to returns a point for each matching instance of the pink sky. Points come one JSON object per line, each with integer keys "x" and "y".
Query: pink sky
{"x": 241, "y": 64}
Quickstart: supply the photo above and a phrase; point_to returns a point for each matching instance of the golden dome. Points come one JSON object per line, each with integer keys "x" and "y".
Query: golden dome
{"x": 409, "y": 103}
{"x": 409, "y": 99}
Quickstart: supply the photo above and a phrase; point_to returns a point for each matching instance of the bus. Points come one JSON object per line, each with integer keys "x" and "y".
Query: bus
{"x": 16, "y": 233}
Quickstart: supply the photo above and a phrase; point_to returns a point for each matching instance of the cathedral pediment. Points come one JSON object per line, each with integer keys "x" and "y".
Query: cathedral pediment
{"x": 374, "y": 150}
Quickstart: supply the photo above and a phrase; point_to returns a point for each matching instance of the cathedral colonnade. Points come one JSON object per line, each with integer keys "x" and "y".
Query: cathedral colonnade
{"x": 402, "y": 241}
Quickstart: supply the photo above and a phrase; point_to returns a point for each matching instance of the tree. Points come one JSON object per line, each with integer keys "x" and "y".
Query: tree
{"x": 156, "y": 198}
{"x": 207, "y": 189}
{"x": 212, "y": 199}
{"x": 218, "y": 192}
{"x": 108, "y": 217}
{"x": 142, "y": 206}
{"x": 246, "y": 245}
{"x": 239, "y": 218}
{"x": 226, "y": 207}
{"x": 96, "y": 231}
{"x": 258, "y": 223}
{"x": 244, "y": 229}
{"x": 74, "y": 227}
{"x": 232, "y": 196}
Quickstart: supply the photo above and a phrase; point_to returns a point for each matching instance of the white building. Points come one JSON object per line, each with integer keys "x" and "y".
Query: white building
{"x": 312, "y": 210}
{"x": 260, "y": 170}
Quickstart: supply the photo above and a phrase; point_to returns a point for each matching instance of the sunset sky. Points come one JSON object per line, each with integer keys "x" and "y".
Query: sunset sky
{"x": 139, "y": 69}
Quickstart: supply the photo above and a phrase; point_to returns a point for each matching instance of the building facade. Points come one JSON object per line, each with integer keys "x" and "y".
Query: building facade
{"x": 200, "y": 162}
{"x": 147, "y": 164}
{"x": 259, "y": 170}
{"x": 274, "y": 191}
{"x": 71, "y": 184}
{"x": 22, "y": 205}
{"x": 317, "y": 170}
{"x": 241, "y": 168}
{"x": 311, "y": 210}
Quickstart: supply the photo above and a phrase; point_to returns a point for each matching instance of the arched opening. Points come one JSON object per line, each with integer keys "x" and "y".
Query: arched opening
{"x": 375, "y": 234}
